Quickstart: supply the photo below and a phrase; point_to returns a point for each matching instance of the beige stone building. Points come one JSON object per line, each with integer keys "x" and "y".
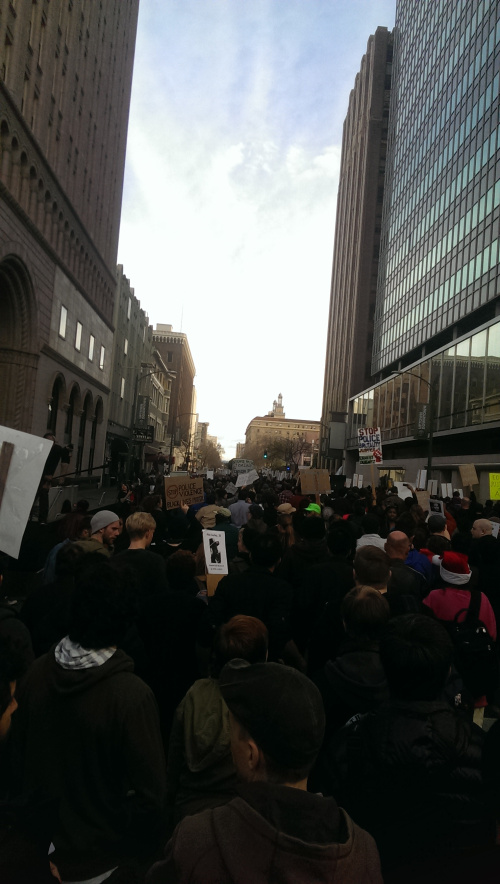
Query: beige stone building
{"x": 301, "y": 436}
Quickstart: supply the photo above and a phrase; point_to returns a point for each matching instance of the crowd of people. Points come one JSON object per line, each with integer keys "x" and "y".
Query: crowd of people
{"x": 318, "y": 718}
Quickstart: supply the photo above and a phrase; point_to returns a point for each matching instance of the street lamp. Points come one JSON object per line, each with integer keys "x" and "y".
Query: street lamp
{"x": 431, "y": 415}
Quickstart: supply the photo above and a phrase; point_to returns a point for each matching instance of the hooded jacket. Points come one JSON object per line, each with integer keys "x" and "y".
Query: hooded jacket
{"x": 200, "y": 770}
{"x": 269, "y": 833}
{"x": 90, "y": 738}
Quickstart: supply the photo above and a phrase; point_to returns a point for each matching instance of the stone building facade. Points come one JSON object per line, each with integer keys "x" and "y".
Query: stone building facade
{"x": 176, "y": 354}
{"x": 65, "y": 80}
{"x": 274, "y": 424}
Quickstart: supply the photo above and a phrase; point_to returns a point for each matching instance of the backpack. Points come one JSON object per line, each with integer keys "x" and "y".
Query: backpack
{"x": 475, "y": 652}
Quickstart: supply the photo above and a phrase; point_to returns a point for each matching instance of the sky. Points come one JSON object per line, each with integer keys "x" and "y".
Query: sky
{"x": 231, "y": 178}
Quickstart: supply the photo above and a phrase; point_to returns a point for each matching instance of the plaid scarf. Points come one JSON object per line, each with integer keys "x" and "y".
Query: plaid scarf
{"x": 71, "y": 655}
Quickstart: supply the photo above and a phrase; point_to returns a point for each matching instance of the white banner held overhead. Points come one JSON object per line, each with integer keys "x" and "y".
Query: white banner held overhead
{"x": 214, "y": 545}
{"x": 21, "y": 485}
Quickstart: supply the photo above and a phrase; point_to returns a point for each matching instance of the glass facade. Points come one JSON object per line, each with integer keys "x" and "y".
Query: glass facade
{"x": 463, "y": 381}
{"x": 441, "y": 222}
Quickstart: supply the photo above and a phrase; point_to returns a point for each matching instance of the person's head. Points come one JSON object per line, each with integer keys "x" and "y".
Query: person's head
{"x": 105, "y": 527}
{"x": 224, "y": 515}
{"x": 141, "y": 526}
{"x": 313, "y": 510}
{"x": 81, "y": 506}
{"x": 391, "y": 513}
{"x": 341, "y": 540}
{"x": 103, "y": 604}
{"x": 371, "y": 567}
{"x": 369, "y": 524}
{"x": 416, "y": 653}
{"x": 436, "y": 524}
{"x": 365, "y": 613}
{"x": 151, "y": 502}
{"x": 308, "y": 528}
{"x": 397, "y": 545}
{"x": 49, "y": 436}
{"x": 12, "y": 666}
{"x": 209, "y": 498}
{"x": 277, "y": 721}
{"x": 265, "y": 551}
{"x": 249, "y": 534}
{"x": 406, "y": 523}
{"x": 437, "y": 544}
{"x": 241, "y": 637}
{"x": 255, "y": 512}
{"x": 481, "y": 528}
{"x": 454, "y": 568}
{"x": 66, "y": 506}
{"x": 285, "y": 509}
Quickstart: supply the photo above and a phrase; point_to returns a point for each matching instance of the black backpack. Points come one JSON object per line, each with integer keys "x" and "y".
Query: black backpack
{"x": 475, "y": 652}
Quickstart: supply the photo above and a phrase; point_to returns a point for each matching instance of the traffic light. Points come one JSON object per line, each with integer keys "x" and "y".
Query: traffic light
{"x": 265, "y": 454}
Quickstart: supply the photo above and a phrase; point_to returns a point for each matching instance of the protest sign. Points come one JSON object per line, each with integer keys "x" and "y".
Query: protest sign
{"x": 23, "y": 458}
{"x": 495, "y": 486}
{"x": 210, "y": 474}
{"x": 468, "y": 475}
{"x": 436, "y": 508}
{"x": 370, "y": 445}
{"x": 360, "y": 481}
{"x": 241, "y": 465}
{"x": 421, "y": 479}
{"x": 241, "y": 480}
{"x": 183, "y": 490}
{"x": 348, "y": 483}
{"x": 495, "y": 526}
{"x": 214, "y": 545}
{"x": 231, "y": 489}
{"x": 355, "y": 480}
{"x": 403, "y": 491}
{"x": 423, "y": 498}
{"x": 432, "y": 486}
{"x": 315, "y": 482}
{"x": 252, "y": 476}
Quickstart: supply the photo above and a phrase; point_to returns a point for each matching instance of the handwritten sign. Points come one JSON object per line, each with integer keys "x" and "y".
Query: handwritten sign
{"x": 315, "y": 482}
{"x": 370, "y": 445}
{"x": 214, "y": 546}
{"x": 495, "y": 486}
{"x": 182, "y": 490}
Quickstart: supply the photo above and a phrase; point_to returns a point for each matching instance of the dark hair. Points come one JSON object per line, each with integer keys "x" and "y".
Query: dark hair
{"x": 438, "y": 544}
{"x": 407, "y": 524}
{"x": 12, "y": 667}
{"x": 81, "y": 506}
{"x": 256, "y": 511}
{"x": 370, "y": 524}
{"x": 150, "y": 502}
{"x": 209, "y": 498}
{"x": 416, "y": 653}
{"x": 365, "y": 612}
{"x": 181, "y": 564}
{"x": 341, "y": 540}
{"x": 309, "y": 528}
{"x": 241, "y": 637}
{"x": 251, "y": 532}
{"x": 371, "y": 565}
{"x": 265, "y": 551}
{"x": 103, "y": 606}
{"x": 66, "y": 506}
{"x": 436, "y": 523}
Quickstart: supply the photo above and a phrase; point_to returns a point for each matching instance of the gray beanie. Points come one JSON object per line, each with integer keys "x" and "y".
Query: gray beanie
{"x": 102, "y": 520}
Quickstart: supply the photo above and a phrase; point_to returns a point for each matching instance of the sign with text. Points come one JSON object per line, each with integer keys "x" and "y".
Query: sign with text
{"x": 315, "y": 482}
{"x": 241, "y": 465}
{"x": 23, "y": 459}
{"x": 182, "y": 490}
{"x": 436, "y": 508}
{"x": 495, "y": 486}
{"x": 144, "y": 435}
{"x": 142, "y": 414}
{"x": 468, "y": 474}
{"x": 421, "y": 430}
{"x": 370, "y": 445}
{"x": 214, "y": 546}
{"x": 423, "y": 498}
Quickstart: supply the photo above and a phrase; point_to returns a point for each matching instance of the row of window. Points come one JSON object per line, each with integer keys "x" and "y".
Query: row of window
{"x": 63, "y": 323}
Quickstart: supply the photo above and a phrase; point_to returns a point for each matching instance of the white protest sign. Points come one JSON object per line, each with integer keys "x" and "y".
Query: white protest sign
{"x": 421, "y": 479}
{"x": 360, "y": 481}
{"x": 495, "y": 526}
{"x": 432, "y": 486}
{"x": 231, "y": 489}
{"x": 241, "y": 480}
{"x": 252, "y": 476}
{"x": 241, "y": 465}
{"x": 403, "y": 491}
{"x": 436, "y": 508}
{"x": 20, "y": 485}
{"x": 355, "y": 480}
{"x": 449, "y": 489}
{"x": 210, "y": 474}
{"x": 348, "y": 483}
{"x": 370, "y": 445}
{"x": 214, "y": 545}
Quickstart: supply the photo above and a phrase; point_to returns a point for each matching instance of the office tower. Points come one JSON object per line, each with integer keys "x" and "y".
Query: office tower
{"x": 176, "y": 354}
{"x": 65, "y": 80}
{"x": 357, "y": 240}
{"x": 437, "y": 317}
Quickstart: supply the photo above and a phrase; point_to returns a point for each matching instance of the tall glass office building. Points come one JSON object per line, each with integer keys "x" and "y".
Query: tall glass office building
{"x": 437, "y": 311}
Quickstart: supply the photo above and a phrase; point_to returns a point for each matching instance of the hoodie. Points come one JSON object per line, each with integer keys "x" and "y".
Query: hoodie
{"x": 90, "y": 738}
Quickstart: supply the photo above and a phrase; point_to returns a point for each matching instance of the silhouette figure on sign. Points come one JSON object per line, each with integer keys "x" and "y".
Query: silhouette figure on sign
{"x": 215, "y": 556}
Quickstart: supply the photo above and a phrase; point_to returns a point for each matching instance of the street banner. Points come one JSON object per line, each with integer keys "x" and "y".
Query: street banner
{"x": 436, "y": 508}
{"x": 468, "y": 475}
{"x": 495, "y": 486}
{"x": 423, "y": 498}
{"x": 315, "y": 482}
{"x": 183, "y": 490}
{"x": 142, "y": 413}
{"x": 370, "y": 445}
{"x": 22, "y": 459}
{"x": 214, "y": 545}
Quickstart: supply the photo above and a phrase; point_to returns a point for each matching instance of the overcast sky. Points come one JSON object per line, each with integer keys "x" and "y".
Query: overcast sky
{"x": 230, "y": 190}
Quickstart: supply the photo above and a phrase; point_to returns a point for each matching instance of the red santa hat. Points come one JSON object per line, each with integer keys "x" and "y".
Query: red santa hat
{"x": 454, "y": 568}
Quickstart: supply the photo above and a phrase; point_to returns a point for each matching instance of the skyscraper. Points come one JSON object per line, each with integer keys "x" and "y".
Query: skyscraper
{"x": 65, "y": 80}
{"x": 438, "y": 295}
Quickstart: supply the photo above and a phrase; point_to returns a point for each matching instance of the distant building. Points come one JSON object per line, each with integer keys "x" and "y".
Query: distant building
{"x": 174, "y": 350}
{"x": 262, "y": 430}
{"x": 65, "y": 80}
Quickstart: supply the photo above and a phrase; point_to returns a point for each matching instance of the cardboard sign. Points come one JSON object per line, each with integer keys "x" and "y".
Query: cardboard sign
{"x": 20, "y": 481}
{"x": 370, "y": 445}
{"x": 183, "y": 490}
{"x": 423, "y": 498}
{"x": 214, "y": 545}
{"x": 436, "y": 508}
{"x": 468, "y": 475}
{"x": 315, "y": 482}
{"x": 495, "y": 486}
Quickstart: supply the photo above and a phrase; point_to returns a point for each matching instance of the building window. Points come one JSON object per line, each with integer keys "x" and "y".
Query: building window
{"x": 122, "y": 388}
{"x": 78, "y": 336}
{"x": 129, "y": 307}
{"x": 169, "y": 356}
{"x": 101, "y": 358}
{"x": 91, "y": 347}
{"x": 62, "y": 322}
{"x": 125, "y": 346}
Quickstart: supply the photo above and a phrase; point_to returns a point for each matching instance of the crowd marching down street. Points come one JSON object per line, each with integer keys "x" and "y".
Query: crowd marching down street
{"x": 262, "y": 686}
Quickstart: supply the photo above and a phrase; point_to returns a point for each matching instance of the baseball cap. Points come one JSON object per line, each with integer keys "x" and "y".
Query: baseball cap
{"x": 313, "y": 508}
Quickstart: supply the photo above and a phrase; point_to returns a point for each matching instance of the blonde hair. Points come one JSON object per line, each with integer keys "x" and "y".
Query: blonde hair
{"x": 138, "y": 524}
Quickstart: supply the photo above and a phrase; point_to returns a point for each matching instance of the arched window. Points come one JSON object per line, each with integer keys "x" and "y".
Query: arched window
{"x": 53, "y": 407}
